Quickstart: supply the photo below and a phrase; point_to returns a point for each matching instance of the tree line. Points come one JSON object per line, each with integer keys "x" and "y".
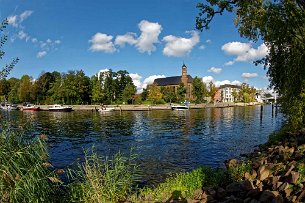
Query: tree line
{"x": 72, "y": 87}
{"x": 110, "y": 87}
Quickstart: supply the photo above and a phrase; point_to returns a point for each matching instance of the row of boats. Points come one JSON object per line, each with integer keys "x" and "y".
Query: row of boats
{"x": 32, "y": 107}
{"x": 62, "y": 108}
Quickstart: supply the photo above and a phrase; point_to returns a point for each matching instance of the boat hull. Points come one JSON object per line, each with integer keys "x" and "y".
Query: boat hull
{"x": 31, "y": 109}
{"x": 179, "y": 107}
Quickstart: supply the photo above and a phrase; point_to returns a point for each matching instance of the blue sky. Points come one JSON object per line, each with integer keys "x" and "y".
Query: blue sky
{"x": 148, "y": 38}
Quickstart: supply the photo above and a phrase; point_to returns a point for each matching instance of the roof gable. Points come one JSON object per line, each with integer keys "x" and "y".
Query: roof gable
{"x": 174, "y": 80}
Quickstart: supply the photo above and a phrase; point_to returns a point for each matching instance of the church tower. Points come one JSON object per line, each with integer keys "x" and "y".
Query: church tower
{"x": 184, "y": 75}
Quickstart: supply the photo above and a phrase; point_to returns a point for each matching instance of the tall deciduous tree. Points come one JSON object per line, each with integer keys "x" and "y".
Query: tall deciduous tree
{"x": 199, "y": 90}
{"x": 281, "y": 25}
{"x": 97, "y": 91}
{"x": 154, "y": 93}
{"x": 25, "y": 89}
{"x": 129, "y": 93}
{"x": 181, "y": 91}
{"x": 212, "y": 91}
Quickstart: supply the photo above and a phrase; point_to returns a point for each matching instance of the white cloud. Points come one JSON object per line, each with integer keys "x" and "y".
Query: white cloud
{"x": 254, "y": 54}
{"x": 236, "y": 48}
{"x": 57, "y": 41}
{"x": 207, "y": 79}
{"x": 149, "y": 80}
{"x": 41, "y": 54}
{"x": 23, "y": 35}
{"x": 218, "y": 83}
{"x": 202, "y": 47}
{"x": 244, "y": 52}
{"x": 208, "y": 41}
{"x": 49, "y": 41}
{"x": 149, "y": 36}
{"x": 215, "y": 70}
{"x": 102, "y": 43}
{"x": 12, "y": 20}
{"x": 25, "y": 15}
{"x": 136, "y": 78}
{"x": 129, "y": 38}
{"x": 249, "y": 75}
{"x": 178, "y": 46}
{"x": 16, "y": 20}
{"x": 236, "y": 82}
{"x": 229, "y": 63}
{"x": 227, "y": 82}
{"x": 34, "y": 40}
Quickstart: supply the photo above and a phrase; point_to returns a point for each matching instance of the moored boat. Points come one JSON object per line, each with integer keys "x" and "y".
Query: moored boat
{"x": 7, "y": 106}
{"x": 179, "y": 107}
{"x": 60, "y": 108}
{"x": 105, "y": 109}
{"x": 30, "y": 107}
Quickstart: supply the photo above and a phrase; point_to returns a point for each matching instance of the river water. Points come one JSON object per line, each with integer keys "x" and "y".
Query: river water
{"x": 165, "y": 141}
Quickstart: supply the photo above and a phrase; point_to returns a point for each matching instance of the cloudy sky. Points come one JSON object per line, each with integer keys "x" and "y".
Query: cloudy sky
{"x": 149, "y": 39}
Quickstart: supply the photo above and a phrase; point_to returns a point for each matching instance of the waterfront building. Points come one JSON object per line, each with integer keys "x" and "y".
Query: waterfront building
{"x": 227, "y": 92}
{"x": 174, "y": 82}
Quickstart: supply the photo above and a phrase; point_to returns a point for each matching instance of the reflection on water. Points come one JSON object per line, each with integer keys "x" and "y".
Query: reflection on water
{"x": 165, "y": 141}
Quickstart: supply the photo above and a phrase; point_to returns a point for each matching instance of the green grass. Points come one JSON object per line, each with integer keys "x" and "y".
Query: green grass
{"x": 23, "y": 177}
{"x": 100, "y": 179}
{"x": 183, "y": 185}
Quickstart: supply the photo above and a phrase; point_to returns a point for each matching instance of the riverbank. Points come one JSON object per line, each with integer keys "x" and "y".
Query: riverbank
{"x": 273, "y": 173}
{"x": 143, "y": 107}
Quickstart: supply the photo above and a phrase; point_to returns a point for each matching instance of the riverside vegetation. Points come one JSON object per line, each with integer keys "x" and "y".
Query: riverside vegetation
{"x": 274, "y": 172}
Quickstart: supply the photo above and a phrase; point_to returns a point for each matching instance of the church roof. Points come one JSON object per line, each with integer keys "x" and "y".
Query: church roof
{"x": 174, "y": 80}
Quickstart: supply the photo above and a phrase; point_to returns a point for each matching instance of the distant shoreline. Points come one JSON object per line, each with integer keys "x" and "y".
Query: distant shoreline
{"x": 145, "y": 107}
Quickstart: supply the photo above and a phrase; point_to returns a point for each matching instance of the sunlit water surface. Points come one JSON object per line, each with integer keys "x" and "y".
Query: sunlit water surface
{"x": 165, "y": 141}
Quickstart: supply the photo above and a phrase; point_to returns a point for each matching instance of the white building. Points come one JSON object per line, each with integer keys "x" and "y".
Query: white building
{"x": 226, "y": 92}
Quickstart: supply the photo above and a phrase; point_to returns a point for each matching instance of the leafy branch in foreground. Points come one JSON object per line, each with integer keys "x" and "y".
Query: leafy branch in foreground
{"x": 281, "y": 25}
{"x": 8, "y": 67}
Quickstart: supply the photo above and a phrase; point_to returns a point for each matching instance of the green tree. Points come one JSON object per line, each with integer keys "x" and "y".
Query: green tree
{"x": 235, "y": 95}
{"x": 129, "y": 93}
{"x": 13, "y": 94}
{"x": 199, "y": 90}
{"x": 43, "y": 85}
{"x": 181, "y": 91}
{"x": 144, "y": 94}
{"x": 154, "y": 93}
{"x": 25, "y": 89}
{"x": 122, "y": 79}
{"x": 97, "y": 91}
{"x": 4, "y": 89}
{"x": 280, "y": 24}
{"x": 169, "y": 94}
{"x": 212, "y": 91}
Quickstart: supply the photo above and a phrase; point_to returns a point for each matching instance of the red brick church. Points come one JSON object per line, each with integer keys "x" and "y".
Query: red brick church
{"x": 174, "y": 82}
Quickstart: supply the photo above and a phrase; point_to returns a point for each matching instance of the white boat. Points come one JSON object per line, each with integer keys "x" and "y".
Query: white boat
{"x": 60, "y": 108}
{"x": 105, "y": 109}
{"x": 179, "y": 107}
{"x": 30, "y": 107}
{"x": 9, "y": 107}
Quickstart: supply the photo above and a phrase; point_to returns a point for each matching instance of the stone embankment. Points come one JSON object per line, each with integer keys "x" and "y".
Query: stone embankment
{"x": 277, "y": 175}
{"x": 143, "y": 107}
